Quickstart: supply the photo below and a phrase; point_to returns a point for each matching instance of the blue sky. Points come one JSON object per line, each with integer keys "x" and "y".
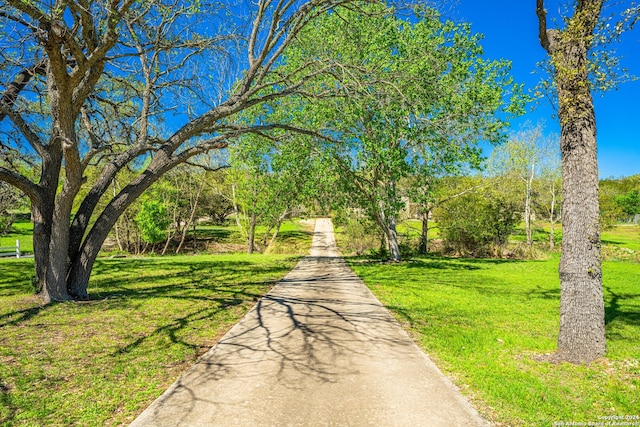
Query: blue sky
{"x": 510, "y": 28}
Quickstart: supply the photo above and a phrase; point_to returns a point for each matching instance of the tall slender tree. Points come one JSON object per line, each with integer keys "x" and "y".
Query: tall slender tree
{"x": 582, "y": 327}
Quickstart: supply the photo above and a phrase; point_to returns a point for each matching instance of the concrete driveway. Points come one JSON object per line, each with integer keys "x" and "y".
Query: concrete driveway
{"x": 318, "y": 350}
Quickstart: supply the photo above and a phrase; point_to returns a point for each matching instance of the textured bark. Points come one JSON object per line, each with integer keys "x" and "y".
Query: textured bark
{"x": 42, "y": 216}
{"x": 582, "y": 333}
{"x": 388, "y": 226}
{"x": 392, "y": 240}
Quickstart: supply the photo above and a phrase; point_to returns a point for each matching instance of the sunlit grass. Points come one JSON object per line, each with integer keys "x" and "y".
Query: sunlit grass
{"x": 102, "y": 362}
{"x": 624, "y": 236}
{"x": 21, "y": 230}
{"x": 487, "y": 322}
{"x": 293, "y": 238}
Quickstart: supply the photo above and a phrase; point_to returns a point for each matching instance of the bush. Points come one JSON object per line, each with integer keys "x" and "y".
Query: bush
{"x": 360, "y": 234}
{"x": 218, "y": 207}
{"x": 6, "y": 221}
{"x": 478, "y": 224}
{"x": 152, "y": 221}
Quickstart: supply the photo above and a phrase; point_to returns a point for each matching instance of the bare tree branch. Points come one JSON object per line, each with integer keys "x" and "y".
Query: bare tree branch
{"x": 19, "y": 83}
{"x": 542, "y": 25}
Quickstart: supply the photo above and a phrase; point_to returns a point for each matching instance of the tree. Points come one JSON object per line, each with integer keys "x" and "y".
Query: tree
{"x": 519, "y": 158}
{"x": 91, "y": 84}
{"x": 433, "y": 193}
{"x": 573, "y": 58}
{"x": 550, "y": 195}
{"x": 630, "y": 202}
{"x": 272, "y": 176}
{"x": 153, "y": 221}
{"x": 217, "y": 203}
{"x": 525, "y": 157}
{"x": 413, "y": 91}
{"x": 10, "y": 199}
{"x": 612, "y": 199}
{"x": 477, "y": 222}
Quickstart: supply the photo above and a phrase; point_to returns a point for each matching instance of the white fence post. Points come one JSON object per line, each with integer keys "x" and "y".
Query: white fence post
{"x": 17, "y": 248}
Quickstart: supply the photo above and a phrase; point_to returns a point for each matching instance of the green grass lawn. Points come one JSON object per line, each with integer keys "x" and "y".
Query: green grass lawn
{"x": 487, "y": 322}
{"x": 23, "y": 231}
{"x": 621, "y": 236}
{"x": 625, "y": 236}
{"x": 102, "y": 362}
{"x": 294, "y": 237}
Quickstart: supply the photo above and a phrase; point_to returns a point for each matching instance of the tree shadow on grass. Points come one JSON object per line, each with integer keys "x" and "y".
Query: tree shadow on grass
{"x": 17, "y": 317}
{"x": 611, "y": 242}
{"x": 545, "y": 293}
{"x": 221, "y": 284}
{"x": 133, "y": 280}
{"x": 178, "y": 279}
{"x": 620, "y": 312}
{"x": 305, "y": 330}
{"x": 6, "y": 405}
{"x": 441, "y": 264}
{"x": 438, "y": 262}
{"x": 15, "y": 277}
{"x": 618, "y": 308}
{"x": 213, "y": 231}
{"x": 175, "y": 325}
{"x": 614, "y": 309}
{"x": 295, "y": 234}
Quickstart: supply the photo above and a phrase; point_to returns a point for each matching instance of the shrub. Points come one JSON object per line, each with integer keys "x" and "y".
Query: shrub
{"x": 478, "y": 224}
{"x": 360, "y": 234}
{"x": 6, "y": 221}
{"x": 152, "y": 221}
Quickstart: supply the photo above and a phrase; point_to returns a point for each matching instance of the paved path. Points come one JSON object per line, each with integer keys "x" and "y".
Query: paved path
{"x": 318, "y": 350}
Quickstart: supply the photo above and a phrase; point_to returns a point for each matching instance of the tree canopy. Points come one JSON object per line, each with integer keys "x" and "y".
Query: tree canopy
{"x": 415, "y": 96}
{"x": 92, "y": 84}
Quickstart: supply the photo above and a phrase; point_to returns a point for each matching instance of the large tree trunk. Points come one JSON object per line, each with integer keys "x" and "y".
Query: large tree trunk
{"x": 42, "y": 208}
{"x": 55, "y": 284}
{"x": 82, "y": 264}
{"x": 582, "y": 333}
